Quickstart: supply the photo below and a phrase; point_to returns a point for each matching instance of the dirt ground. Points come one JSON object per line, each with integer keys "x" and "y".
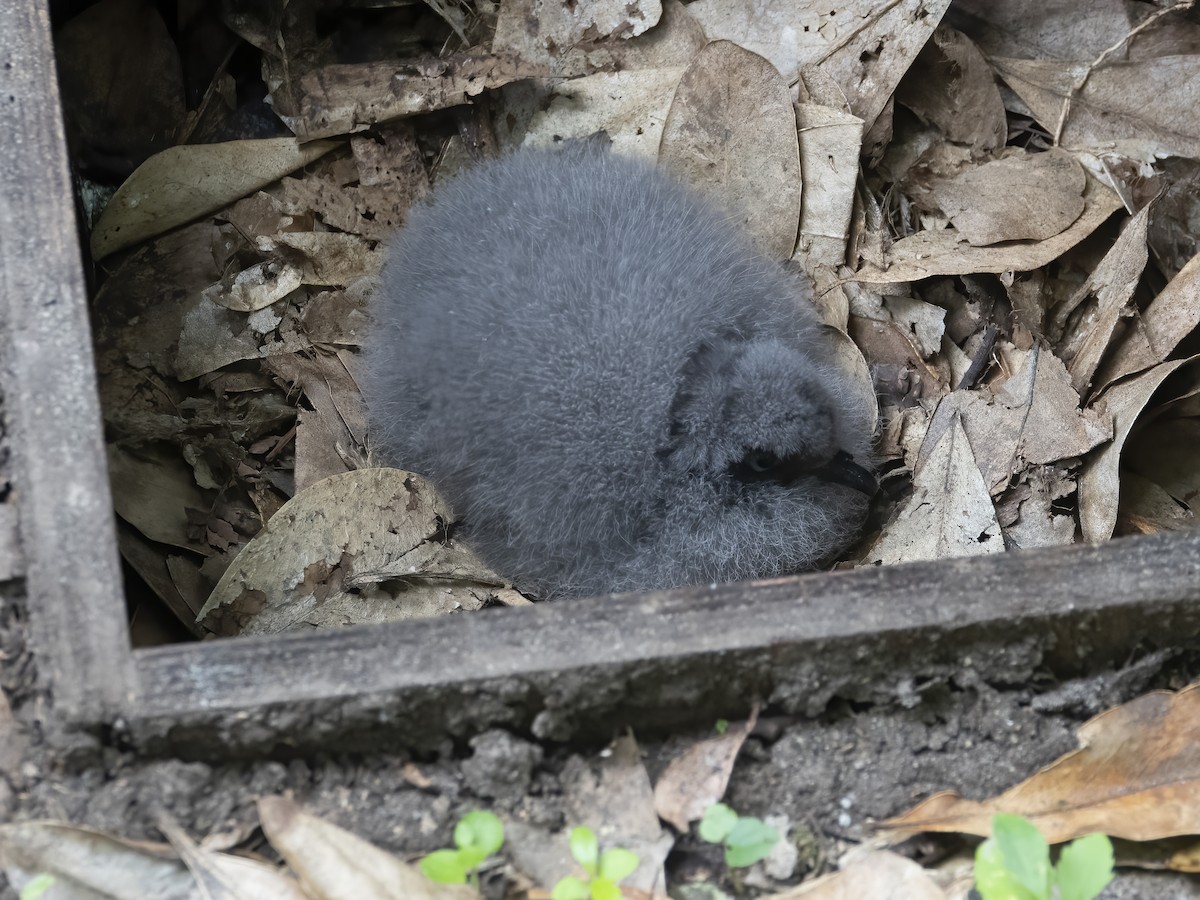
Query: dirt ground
{"x": 831, "y": 774}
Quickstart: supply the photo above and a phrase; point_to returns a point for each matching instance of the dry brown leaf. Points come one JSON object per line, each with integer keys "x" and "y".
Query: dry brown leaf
{"x": 944, "y": 252}
{"x": 731, "y": 134}
{"x": 696, "y": 778}
{"x": 865, "y": 46}
{"x": 334, "y": 431}
{"x": 1146, "y": 508}
{"x": 1136, "y": 775}
{"x": 630, "y": 107}
{"x": 951, "y": 86}
{"x": 830, "y": 143}
{"x": 186, "y": 182}
{"x": 1149, "y": 100}
{"x": 950, "y": 512}
{"x": 147, "y": 560}
{"x": 1089, "y": 330}
{"x": 1032, "y": 418}
{"x": 333, "y": 864}
{"x": 1023, "y": 197}
{"x": 1034, "y": 518}
{"x": 1100, "y": 481}
{"x": 321, "y": 559}
{"x": 92, "y": 862}
{"x": 152, "y": 490}
{"x": 876, "y": 874}
{"x": 344, "y": 98}
{"x": 849, "y": 358}
{"x": 548, "y": 33}
{"x": 326, "y": 258}
{"x": 223, "y": 876}
{"x": 369, "y": 194}
{"x": 1033, "y": 29}
{"x": 1159, "y": 328}
{"x": 254, "y": 288}
{"x": 613, "y": 797}
{"x": 1166, "y": 452}
{"x": 212, "y": 337}
{"x": 1180, "y": 854}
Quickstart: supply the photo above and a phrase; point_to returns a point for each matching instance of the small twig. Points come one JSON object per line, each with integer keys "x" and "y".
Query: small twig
{"x": 1099, "y": 60}
{"x": 981, "y": 360}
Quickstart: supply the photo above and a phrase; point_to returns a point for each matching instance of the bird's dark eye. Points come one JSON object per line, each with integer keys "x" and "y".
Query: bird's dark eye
{"x": 758, "y": 465}
{"x": 761, "y": 462}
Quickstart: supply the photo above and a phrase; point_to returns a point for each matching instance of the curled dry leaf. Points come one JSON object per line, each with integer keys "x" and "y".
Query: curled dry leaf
{"x": 1136, "y": 775}
{"x": 1112, "y": 283}
{"x": 223, "y": 876}
{"x": 830, "y": 143}
{"x": 849, "y": 358}
{"x": 332, "y": 863}
{"x": 1100, "y": 480}
{"x": 696, "y": 778}
{"x": 320, "y": 557}
{"x": 944, "y": 252}
{"x": 1023, "y": 197}
{"x": 950, "y": 512}
{"x": 186, "y": 182}
{"x": 731, "y": 134}
{"x": 1159, "y": 328}
{"x": 254, "y": 288}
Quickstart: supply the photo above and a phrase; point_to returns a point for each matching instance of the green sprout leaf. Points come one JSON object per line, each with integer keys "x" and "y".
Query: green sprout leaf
{"x": 617, "y": 864}
{"x": 1084, "y": 867}
{"x": 718, "y": 821}
{"x": 1024, "y": 852}
{"x": 605, "y": 889}
{"x": 749, "y": 841}
{"x": 36, "y": 886}
{"x": 585, "y": 848}
{"x": 445, "y": 867}
{"x": 722, "y": 726}
{"x": 993, "y": 881}
{"x": 480, "y": 830}
{"x": 570, "y": 888}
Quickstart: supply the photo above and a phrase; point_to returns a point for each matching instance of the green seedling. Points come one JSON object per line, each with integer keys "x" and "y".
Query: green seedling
{"x": 477, "y": 836}
{"x": 37, "y": 886}
{"x": 604, "y": 870}
{"x": 745, "y": 838}
{"x": 1014, "y": 864}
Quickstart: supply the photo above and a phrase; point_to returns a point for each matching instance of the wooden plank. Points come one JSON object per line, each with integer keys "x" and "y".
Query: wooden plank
{"x": 77, "y": 615}
{"x": 657, "y": 660}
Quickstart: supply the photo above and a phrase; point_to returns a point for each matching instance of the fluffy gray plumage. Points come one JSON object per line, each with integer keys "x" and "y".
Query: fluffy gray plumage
{"x": 612, "y": 389}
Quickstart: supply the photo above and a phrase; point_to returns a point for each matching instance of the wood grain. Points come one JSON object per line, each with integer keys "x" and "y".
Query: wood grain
{"x": 77, "y": 615}
{"x": 685, "y": 656}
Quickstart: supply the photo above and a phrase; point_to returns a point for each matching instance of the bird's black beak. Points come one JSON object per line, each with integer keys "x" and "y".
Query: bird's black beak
{"x": 842, "y": 469}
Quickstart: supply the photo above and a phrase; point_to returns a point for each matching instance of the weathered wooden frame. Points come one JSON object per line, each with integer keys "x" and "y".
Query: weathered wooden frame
{"x": 557, "y": 670}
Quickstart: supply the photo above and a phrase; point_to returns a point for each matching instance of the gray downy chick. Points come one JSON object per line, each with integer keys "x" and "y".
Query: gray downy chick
{"x": 612, "y": 389}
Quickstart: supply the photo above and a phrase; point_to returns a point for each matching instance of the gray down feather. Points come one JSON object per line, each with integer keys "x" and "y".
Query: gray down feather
{"x": 612, "y": 389}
